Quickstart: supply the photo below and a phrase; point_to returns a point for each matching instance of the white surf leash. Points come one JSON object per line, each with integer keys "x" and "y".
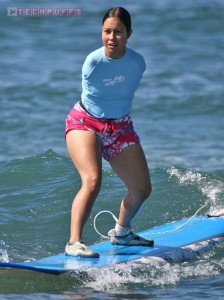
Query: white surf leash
{"x": 184, "y": 224}
{"x": 153, "y": 233}
{"x": 94, "y": 221}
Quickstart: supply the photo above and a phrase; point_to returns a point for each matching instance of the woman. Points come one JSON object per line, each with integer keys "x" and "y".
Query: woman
{"x": 100, "y": 126}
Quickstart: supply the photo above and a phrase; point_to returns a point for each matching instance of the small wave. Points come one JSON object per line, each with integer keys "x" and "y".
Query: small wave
{"x": 209, "y": 184}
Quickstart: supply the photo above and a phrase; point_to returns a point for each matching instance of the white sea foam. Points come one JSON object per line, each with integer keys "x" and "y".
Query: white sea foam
{"x": 152, "y": 272}
{"x": 3, "y": 252}
{"x": 213, "y": 189}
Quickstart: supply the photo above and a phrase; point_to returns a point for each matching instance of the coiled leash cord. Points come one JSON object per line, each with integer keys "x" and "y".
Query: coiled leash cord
{"x": 96, "y": 216}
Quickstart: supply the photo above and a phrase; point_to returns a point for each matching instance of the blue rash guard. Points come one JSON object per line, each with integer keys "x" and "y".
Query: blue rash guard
{"x": 108, "y": 85}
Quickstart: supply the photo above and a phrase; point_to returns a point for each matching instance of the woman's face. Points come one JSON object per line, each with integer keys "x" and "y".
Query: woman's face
{"x": 114, "y": 37}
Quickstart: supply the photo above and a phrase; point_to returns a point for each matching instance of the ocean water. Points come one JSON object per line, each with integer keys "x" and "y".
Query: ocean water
{"x": 178, "y": 112}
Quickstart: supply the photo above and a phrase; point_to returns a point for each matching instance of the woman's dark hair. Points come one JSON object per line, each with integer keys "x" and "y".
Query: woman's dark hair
{"x": 120, "y": 13}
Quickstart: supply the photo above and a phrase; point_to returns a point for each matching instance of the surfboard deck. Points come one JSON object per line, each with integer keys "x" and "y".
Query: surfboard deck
{"x": 174, "y": 242}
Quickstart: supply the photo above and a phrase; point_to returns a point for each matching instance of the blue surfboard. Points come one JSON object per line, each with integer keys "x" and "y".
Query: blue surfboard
{"x": 174, "y": 242}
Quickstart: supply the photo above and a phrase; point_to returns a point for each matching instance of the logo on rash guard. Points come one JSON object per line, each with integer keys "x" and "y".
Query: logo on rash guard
{"x": 113, "y": 81}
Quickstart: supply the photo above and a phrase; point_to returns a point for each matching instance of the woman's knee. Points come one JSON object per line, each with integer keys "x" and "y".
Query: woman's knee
{"x": 92, "y": 182}
{"x": 145, "y": 192}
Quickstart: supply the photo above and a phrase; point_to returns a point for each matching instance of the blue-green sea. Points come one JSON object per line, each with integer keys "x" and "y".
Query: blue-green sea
{"x": 178, "y": 112}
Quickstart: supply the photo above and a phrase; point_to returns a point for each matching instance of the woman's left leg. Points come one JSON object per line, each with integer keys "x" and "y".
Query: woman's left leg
{"x": 131, "y": 166}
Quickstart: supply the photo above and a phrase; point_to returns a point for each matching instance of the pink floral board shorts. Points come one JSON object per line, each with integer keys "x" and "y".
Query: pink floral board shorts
{"x": 114, "y": 135}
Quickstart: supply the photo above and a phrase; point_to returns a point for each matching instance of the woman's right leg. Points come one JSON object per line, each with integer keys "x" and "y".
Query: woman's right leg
{"x": 85, "y": 150}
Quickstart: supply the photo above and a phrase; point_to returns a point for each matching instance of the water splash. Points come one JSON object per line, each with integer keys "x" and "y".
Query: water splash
{"x": 213, "y": 189}
{"x": 153, "y": 273}
{"x": 3, "y": 252}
